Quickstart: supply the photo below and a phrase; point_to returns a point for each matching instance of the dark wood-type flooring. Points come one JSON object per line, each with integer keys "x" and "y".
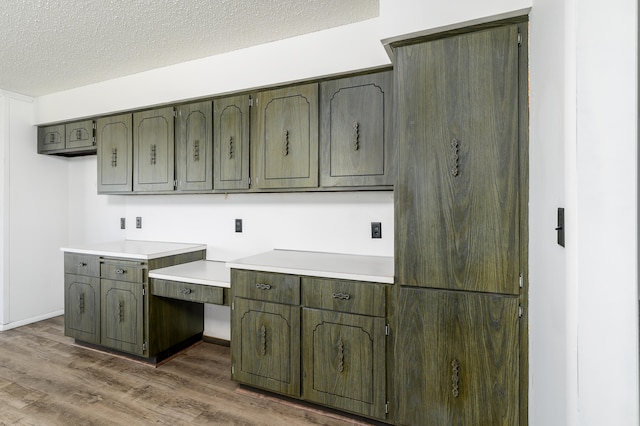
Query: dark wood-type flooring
{"x": 45, "y": 379}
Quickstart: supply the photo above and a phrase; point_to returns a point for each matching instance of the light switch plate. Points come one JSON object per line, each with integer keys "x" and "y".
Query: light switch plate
{"x": 139, "y": 222}
{"x": 238, "y": 225}
{"x": 376, "y": 229}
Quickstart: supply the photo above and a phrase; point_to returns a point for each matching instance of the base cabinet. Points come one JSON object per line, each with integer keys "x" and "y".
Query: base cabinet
{"x": 82, "y": 307}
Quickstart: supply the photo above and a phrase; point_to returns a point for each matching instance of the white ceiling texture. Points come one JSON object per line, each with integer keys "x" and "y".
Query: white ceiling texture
{"x": 51, "y": 45}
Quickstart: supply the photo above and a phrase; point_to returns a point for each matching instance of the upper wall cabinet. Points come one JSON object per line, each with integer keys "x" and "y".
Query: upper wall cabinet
{"x": 356, "y": 131}
{"x": 194, "y": 147}
{"x": 231, "y": 143}
{"x": 69, "y": 139}
{"x": 285, "y": 142}
{"x": 153, "y": 150}
{"x": 115, "y": 165}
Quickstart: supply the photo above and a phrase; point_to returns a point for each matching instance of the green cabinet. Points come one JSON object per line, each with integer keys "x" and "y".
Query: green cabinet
{"x": 69, "y": 139}
{"x": 456, "y": 358}
{"x": 231, "y": 142}
{"x": 122, "y": 316}
{"x": 114, "y": 139}
{"x": 194, "y": 147}
{"x": 285, "y": 142}
{"x": 356, "y": 131}
{"x": 153, "y": 150}
{"x": 82, "y": 307}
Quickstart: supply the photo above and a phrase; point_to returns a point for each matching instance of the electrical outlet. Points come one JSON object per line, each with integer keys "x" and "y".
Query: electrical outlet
{"x": 123, "y": 223}
{"x": 139, "y": 222}
{"x": 376, "y": 229}
{"x": 238, "y": 225}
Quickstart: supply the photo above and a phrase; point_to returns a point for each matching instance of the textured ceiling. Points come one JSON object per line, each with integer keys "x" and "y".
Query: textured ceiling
{"x": 51, "y": 45}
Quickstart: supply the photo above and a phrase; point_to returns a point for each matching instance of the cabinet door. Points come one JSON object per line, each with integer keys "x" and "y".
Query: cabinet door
{"x": 356, "y": 138}
{"x": 122, "y": 316}
{"x": 456, "y": 358}
{"x": 79, "y": 134}
{"x": 344, "y": 361}
{"x": 457, "y": 215}
{"x": 115, "y": 165}
{"x": 82, "y": 308}
{"x": 194, "y": 153}
{"x": 153, "y": 150}
{"x": 231, "y": 143}
{"x": 286, "y": 140}
{"x": 265, "y": 346}
{"x": 51, "y": 138}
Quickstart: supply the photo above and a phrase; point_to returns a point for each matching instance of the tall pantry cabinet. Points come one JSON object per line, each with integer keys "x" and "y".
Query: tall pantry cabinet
{"x": 460, "y": 228}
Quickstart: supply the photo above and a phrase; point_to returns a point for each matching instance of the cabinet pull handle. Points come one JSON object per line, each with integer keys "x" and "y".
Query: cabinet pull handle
{"x": 81, "y": 303}
{"x": 263, "y": 340}
{"x": 230, "y": 147}
{"x": 114, "y": 157}
{"x": 52, "y": 138}
{"x": 185, "y": 290}
{"x": 341, "y": 296}
{"x": 153, "y": 154}
{"x": 81, "y": 265}
{"x": 78, "y": 134}
{"x": 455, "y": 157}
{"x": 261, "y": 286}
{"x": 356, "y": 136}
{"x": 340, "y": 355}
{"x": 286, "y": 143}
{"x": 120, "y": 311}
{"x": 455, "y": 378}
{"x": 196, "y": 150}
{"x": 120, "y": 271}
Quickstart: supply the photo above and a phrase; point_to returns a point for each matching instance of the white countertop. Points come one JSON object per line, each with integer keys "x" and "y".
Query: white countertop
{"x": 132, "y": 249}
{"x": 328, "y": 265}
{"x": 205, "y": 272}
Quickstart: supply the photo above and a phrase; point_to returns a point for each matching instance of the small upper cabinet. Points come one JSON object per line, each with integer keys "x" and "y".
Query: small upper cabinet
{"x": 115, "y": 164}
{"x": 194, "y": 147}
{"x": 231, "y": 143}
{"x": 286, "y": 138}
{"x": 153, "y": 150}
{"x": 69, "y": 139}
{"x": 356, "y": 134}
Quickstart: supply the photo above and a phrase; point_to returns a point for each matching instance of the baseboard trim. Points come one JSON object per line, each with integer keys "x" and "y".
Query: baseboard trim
{"x": 16, "y": 324}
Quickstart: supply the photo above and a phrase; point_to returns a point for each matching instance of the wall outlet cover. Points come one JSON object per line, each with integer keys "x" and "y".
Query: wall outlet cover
{"x": 238, "y": 225}
{"x": 376, "y": 229}
{"x": 139, "y": 222}
{"x": 123, "y": 223}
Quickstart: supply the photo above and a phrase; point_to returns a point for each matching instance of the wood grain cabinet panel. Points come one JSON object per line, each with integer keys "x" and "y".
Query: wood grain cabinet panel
{"x": 457, "y": 359}
{"x": 344, "y": 361}
{"x": 231, "y": 142}
{"x": 82, "y": 307}
{"x": 114, "y": 139}
{"x": 154, "y": 150}
{"x": 122, "y": 316}
{"x": 286, "y": 139}
{"x": 457, "y": 196}
{"x": 51, "y": 138}
{"x": 194, "y": 147}
{"x": 197, "y": 293}
{"x": 356, "y": 131}
{"x": 79, "y": 135}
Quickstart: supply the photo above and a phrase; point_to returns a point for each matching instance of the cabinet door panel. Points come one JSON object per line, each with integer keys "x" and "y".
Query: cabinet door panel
{"x": 356, "y": 139}
{"x": 82, "y": 308}
{"x": 457, "y": 215}
{"x": 287, "y": 137}
{"x": 231, "y": 142}
{"x": 115, "y": 166}
{"x": 194, "y": 147}
{"x": 153, "y": 147}
{"x": 266, "y": 348}
{"x": 456, "y": 358}
{"x": 344, "y": 361}
{"x": 79, "y": 134}
{"x": 51, "y": 138}
{"x": 122, "y": 316}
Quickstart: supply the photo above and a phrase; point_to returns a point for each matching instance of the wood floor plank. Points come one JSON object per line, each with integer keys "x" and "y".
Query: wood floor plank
{"x": 45, "y": 379}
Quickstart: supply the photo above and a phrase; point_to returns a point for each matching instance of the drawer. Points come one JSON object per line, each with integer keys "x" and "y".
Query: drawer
{"x": 187, "y": 291}
{"x": 271, "y": 287}
{"x": 133, "y": 272}
{"x": 81, "y": 264}
{"x": 345, "y": 296}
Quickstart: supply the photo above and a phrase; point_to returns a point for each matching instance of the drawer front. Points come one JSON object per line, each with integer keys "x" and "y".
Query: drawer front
{"x": 133, "y": 272}
{"x": 81, "y": 264}
{"x": 271, "y": 287}
{"x": 187, "y": 291}
{"x": 345, "y": 296}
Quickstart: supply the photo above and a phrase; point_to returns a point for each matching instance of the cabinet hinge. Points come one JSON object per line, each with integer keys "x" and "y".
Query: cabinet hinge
{"x": 519, "y": 39}
{"x": 175, "y": 113}
{"x": 93, "y": 139}
{"x": 233, "y": 306}
{"x": 250, "y": 102}
{"x": 386, "y": 329}
{"x": 233, "y": 370}
{"x": 144, "y": 346}
{"x": 520, "y": 281}
{"x": 520, "y": 311}
{"x": 175, "y": 184}
{"x": 386, "y": 408}
{"x": 144, "y": 291}
{"x": 95, "y": 125}
{"x": 249, "y": 181}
